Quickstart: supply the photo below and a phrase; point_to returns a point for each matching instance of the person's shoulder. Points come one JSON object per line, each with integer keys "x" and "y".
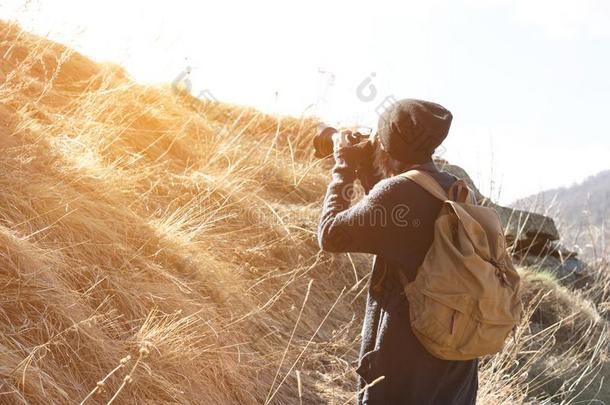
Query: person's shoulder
{"x": 392, "y": 186}
{"x": 445, "y": 179}
{"x": 403, "y": 187}
{"x": 446, "y": 174}
{"x": 391, "y": 182}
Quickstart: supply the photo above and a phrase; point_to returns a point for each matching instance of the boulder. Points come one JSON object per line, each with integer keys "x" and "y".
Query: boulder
{"x": 528, "y": 233}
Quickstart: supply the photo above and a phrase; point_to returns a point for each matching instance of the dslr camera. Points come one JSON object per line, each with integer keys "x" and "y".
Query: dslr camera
{"x": 369, "y": 170}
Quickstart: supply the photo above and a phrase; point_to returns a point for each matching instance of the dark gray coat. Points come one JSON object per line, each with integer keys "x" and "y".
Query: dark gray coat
{"x": 394, "y": 221}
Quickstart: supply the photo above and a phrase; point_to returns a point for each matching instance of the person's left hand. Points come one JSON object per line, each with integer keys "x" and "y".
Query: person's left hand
{"x": 341, "y": 139}
{"x": 347, "y": 148}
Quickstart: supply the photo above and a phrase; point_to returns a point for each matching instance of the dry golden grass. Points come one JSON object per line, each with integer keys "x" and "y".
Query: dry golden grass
{"x": 158, "y": 249}
{"x": 560, "y": 353}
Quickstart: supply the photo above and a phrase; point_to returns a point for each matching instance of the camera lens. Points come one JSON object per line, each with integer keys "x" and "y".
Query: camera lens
{"x": 323, "y": 141}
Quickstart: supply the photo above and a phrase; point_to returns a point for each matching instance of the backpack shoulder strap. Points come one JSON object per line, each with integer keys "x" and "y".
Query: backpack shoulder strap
{"x": 427, "y": 182}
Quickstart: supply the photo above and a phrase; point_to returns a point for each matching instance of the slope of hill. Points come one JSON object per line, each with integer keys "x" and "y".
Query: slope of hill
{"x": 581, "y": 212}
{"x": 157, "y": 249}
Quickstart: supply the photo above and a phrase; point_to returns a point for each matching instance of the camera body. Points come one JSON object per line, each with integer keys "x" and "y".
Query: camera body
{"x": 370, "y": 168}
{"x": 323, "y": 140}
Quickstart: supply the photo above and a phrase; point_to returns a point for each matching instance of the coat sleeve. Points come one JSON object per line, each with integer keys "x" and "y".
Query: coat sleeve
{"x": 352, "y": 229}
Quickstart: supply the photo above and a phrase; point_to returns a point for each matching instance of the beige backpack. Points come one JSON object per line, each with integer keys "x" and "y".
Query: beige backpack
{"x": 464, "y": 301}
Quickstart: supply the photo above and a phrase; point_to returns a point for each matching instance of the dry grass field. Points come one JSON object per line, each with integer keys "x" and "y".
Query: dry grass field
{"x": 155, "y": 248}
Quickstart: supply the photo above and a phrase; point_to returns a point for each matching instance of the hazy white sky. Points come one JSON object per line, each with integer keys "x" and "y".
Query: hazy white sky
{"x": 527, "y": 81}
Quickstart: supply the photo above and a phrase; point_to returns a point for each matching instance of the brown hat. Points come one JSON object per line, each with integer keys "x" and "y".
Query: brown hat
{"x": 410, "y": 130}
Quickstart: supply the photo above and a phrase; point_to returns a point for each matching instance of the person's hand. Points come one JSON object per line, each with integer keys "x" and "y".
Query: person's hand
{"x": 351, "y": 148}
{"x": 341, "y": 139}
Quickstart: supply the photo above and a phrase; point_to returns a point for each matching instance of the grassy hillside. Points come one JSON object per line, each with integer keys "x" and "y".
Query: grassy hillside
{"x": 157, "y": 249}
{"x": 581, "y": 212}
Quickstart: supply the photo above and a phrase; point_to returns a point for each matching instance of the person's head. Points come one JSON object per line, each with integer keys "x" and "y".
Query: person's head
{"x": 408, "y": 133}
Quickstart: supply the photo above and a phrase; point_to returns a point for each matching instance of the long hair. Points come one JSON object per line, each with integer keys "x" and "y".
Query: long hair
{"x": 384, "y": 164}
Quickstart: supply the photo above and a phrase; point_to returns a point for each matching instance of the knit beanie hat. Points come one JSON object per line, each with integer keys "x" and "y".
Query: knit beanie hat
{"x": 410, "y": 130}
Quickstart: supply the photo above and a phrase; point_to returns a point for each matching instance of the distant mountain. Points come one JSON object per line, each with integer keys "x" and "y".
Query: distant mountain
{"x": 581, "y": 212}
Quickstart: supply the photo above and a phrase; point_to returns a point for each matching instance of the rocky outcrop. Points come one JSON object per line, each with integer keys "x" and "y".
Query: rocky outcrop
{"x": 533, "y": 238}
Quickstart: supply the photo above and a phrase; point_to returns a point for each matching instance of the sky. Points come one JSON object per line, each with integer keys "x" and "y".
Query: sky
{"x": 527, "y": 81}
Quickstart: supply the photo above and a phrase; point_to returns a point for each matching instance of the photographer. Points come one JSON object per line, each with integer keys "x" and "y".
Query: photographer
{"x": 395, "y": 222}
